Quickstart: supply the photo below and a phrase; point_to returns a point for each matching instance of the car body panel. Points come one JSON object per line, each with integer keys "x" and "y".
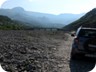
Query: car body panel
{"x": 83, "y": 36}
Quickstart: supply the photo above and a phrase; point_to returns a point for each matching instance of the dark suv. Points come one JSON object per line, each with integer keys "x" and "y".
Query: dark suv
{"x": 84, "y": 43}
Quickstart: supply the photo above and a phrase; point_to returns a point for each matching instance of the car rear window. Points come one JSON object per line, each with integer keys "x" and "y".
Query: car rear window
{"x": 87, "y": 33}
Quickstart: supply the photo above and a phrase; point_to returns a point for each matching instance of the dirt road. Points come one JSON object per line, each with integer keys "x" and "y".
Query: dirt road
{"x": 39, "y": 51}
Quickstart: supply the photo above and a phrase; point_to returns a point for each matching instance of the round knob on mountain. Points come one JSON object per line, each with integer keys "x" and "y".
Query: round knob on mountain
{"x": 18, "y": 9}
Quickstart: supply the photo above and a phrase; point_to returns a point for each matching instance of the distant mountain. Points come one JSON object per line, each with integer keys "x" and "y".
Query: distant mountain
{"x": 36, "y": 19}
{"x": 88, "y": 20}
{"x": 7, "y": 24}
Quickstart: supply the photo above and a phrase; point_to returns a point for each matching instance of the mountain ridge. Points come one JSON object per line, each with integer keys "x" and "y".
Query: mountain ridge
{"x": 88, "y": 20}
{"x": 7, "y": 24}
{"x": 36, "y": 19}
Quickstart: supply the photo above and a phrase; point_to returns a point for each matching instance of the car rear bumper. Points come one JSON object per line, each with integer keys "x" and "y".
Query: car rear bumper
{"x": 76, "y": 50}
{"x": 83, "y": 52}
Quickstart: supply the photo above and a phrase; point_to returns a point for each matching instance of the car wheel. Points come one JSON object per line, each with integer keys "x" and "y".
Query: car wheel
{"x": 75, "y": 56}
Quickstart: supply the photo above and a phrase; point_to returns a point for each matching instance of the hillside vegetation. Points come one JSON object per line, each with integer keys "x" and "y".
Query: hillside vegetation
{"x": 88, "y": 20}
{"x": 7, "y": 24}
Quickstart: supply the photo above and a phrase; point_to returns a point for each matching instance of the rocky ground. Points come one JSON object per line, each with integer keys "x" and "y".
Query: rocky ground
{"x": 39, "y": 51}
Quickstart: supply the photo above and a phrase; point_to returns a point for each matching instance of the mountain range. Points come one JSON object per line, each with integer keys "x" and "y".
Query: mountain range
{"x": 36, "y": 19}
{"x": 88, "y": 20}
{"x": 7, "y": 24}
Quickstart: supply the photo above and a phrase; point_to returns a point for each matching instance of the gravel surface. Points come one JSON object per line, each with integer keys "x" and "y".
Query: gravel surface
{"x": 39, "y": 51}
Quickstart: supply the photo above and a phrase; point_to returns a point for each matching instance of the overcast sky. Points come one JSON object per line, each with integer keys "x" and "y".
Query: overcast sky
{"x": 51, "y": 6}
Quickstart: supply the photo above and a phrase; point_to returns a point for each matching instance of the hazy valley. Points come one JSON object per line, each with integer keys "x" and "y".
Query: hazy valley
{"x": 36, "y": 19}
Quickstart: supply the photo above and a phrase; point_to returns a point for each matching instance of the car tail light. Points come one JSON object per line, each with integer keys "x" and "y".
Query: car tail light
{"x": 76, "y": 40}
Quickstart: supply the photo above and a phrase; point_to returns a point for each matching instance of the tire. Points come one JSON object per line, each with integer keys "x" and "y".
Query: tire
{"x": 76, "y": 56}
{"x": 73, "y": 54}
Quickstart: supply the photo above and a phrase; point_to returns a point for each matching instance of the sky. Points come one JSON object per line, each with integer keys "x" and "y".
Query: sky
{"x": 51, "y": 6}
